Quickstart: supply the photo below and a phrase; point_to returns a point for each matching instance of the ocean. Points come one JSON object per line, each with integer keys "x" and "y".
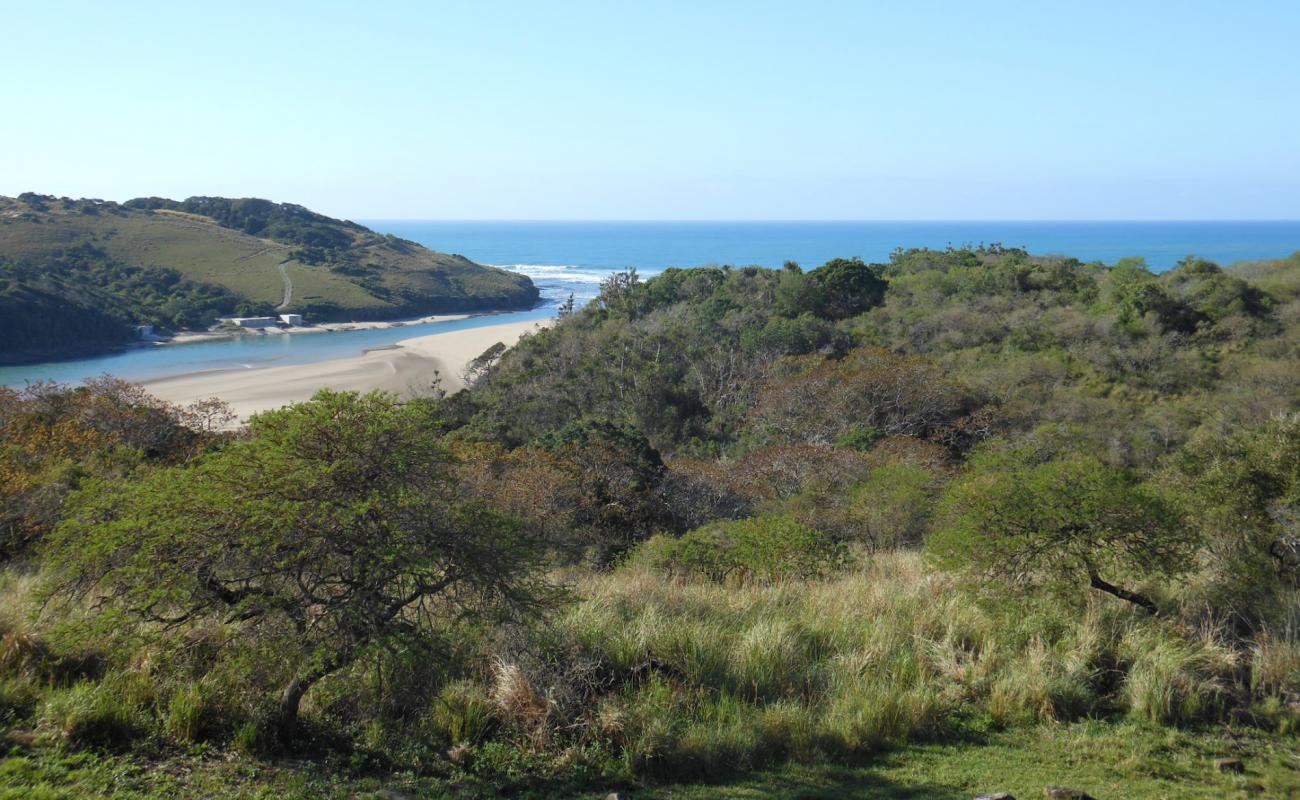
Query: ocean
{"x": 566, "y": 258}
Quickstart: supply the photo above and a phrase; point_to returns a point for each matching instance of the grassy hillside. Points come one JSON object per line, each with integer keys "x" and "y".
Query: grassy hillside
{"x": 241, "y": 251}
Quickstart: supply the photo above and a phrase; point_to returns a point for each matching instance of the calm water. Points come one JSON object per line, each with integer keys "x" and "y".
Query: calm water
{"x": 572, "y": 257}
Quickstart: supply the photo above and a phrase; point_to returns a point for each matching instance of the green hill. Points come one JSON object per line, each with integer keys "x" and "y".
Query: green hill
{"x": 75, "y": 275}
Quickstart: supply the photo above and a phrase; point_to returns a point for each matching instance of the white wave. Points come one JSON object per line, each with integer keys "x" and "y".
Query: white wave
{"x": 559, "y": 272}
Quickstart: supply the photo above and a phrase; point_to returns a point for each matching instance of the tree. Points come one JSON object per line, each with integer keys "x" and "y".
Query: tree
{"x": 1241, "y": 488}
{"x": 333, "y": 529}
{"x": 616, "y": 475}
{"x": 820, "y": 401}
{"x": 481, "y": 364}
{"x": 849, "y": 287}
{"x": 1068, "y": 520}
{"x": 618, "y": 292}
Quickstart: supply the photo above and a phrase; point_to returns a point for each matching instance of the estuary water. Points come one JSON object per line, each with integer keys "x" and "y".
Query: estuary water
{"x": 566, "y": 258}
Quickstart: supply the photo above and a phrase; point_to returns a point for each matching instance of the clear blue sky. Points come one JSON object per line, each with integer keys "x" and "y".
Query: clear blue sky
{"x": 657, "y": 110}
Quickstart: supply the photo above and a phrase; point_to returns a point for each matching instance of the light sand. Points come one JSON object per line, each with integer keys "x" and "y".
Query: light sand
{"x": 408, "y": 368}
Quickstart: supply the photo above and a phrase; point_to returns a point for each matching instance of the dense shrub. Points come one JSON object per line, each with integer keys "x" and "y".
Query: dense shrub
{"x": 758, "y": 548}
{"x": 54, "y": 437}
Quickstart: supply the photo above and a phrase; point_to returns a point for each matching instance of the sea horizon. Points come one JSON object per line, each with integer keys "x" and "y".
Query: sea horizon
{"x": 814, "y": 220}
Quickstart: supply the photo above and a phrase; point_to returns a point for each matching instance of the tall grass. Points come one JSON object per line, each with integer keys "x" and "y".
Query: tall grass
{"x": 690, "y": 677}
{"x": 885, "y": 654}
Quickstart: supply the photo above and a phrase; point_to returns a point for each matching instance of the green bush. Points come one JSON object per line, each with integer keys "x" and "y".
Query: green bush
{"x": 892, "y": 508}
{"x": 111, "y": 713}
{"x": 1173, "y": 681}
{"x": 765, "y": 548}
{"x": 18, "y": 699}
{"x": 463, "y": 713}
{"x": 196, "y": 712}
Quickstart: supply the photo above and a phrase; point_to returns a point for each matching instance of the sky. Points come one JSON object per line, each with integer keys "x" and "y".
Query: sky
{"x": 662, "y": 110}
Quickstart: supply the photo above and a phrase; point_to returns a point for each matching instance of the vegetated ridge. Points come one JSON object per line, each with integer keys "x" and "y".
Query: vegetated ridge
{"x": 76, "y": 275}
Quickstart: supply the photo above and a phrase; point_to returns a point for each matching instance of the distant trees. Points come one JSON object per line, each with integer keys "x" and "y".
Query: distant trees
{"x": 334, "y": 528}
{"x": 482, "y": 363}
{"x": 78, "y": 299}
{"x": 1066, "y": 521}
{"x": 283, "y": 222}
{"x": 679, "y": 355}
{"x": 1193, "y": 296}
{"x": 1052, "y": 429}
{"x": 618, "y": 292}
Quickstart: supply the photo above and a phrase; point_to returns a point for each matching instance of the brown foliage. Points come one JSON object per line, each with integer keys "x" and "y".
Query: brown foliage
{"x": 52, "y": 436}
{"x": 912, "y": 452}
{"x": 785, "y": 470}
{"x": 816, "y": 401}
{"x": 701, "y": 491}
{"x": 587, "y": 500}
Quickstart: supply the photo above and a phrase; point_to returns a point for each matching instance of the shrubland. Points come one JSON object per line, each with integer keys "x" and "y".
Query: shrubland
{"x": 712, "y": 523}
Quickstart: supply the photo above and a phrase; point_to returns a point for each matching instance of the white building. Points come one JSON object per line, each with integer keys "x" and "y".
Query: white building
{"x": 255, "y": 322}
{"x": 291, "y": 319}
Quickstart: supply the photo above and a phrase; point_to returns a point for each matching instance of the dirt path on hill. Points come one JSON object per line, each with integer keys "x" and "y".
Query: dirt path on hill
{"x": 288, "y": 284}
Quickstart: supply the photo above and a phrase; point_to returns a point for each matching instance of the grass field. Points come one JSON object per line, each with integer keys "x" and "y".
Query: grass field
{"x": 384, "y": 277}
{"x": 1107, "y": 760}
{"x": 838, "y": 689}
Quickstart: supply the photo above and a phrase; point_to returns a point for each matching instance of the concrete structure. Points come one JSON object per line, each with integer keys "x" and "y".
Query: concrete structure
{"x": 255, "y": 322}
{"x": 291, "y": 319}
{"x": 147, "y": 333}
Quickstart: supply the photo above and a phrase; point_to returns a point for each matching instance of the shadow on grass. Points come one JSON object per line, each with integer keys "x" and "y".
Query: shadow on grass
{"x": 797, "y": 782}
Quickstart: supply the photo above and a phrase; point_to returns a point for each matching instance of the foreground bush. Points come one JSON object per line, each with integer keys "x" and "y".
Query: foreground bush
{"x": 332, "y": 531}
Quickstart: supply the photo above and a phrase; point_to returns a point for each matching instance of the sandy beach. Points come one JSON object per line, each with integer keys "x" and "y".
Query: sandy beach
{"x": 407, "y": 368}
{"x": 190, "y": 337}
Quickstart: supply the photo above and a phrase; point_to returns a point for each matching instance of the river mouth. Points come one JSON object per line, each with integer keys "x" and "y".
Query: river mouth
{"x": 153, "y": 362}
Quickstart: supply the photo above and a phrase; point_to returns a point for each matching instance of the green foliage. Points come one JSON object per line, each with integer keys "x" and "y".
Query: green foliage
{"x": 676, "y": 356}
{"x": 282, "y": 222}
{"x": 463, "y": 713}
{"x": 184, "y": 720}
{"x": 54, "y": 437}
{"x": 1148, "y": 449}
{"x": 1240, "y": 490}
{"x": 82, "y": 297}
{"x": 1174, "y": 682}
{"x": 329, "y": 530}
{"x": 759, "y": 548}
{"x": 616, "y": 476}
{"x": 892, "y": 508}
{"x": 848, "y": 287}
{"x": 110, "y": 713}
{"x": 860, "y": 437}
{"x": 1027, "y": 521}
